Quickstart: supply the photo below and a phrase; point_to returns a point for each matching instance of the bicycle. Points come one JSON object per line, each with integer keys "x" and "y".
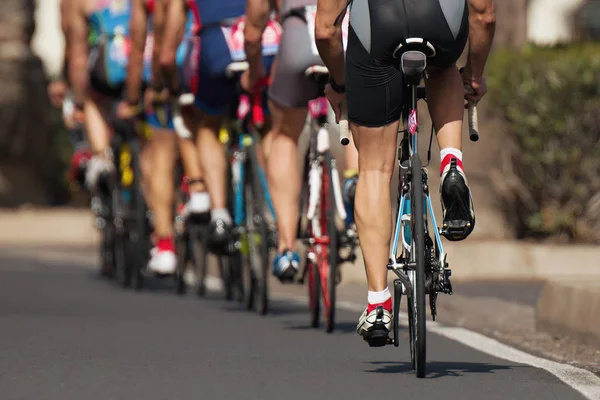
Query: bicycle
{"x": 321, "y": 200}
{"x": 420, "y": 264}
{"x": 244, "y": 265}
{"x": 254, "y": 235}
{"x": 130, "y": 215}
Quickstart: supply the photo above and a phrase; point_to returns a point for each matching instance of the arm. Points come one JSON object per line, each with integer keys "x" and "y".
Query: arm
{"x": 174, "y": 32}
{"x": 159, "y": 19}
{"x": 64, "y": 26}
{"x": 482, "y": 25}
{"x": 78, "y": 51}
{"x": 257, "y": 18}
{"x": 138, "y": 26}
{"x": 328, "y": 38}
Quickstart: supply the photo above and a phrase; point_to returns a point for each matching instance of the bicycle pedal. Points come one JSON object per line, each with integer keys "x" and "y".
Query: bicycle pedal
{"x": 377, "y": 337}
{"x": 456, "y": 230}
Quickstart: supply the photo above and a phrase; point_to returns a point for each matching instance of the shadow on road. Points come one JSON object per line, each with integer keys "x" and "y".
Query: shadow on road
{"x": 437, "y": 369}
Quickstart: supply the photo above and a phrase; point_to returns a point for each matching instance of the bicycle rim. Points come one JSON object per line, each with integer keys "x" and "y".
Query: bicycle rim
{"x": 419, "y": 241}
{"x": 331, "y": 260}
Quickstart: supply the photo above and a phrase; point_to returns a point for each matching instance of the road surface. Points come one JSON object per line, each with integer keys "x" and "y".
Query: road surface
{"x": 67, "y": 334}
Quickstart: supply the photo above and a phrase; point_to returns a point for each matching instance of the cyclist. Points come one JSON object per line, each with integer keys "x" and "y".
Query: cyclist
{"x": 374, "y": 85}
{"x": 147, "y": 24}
{"x": 214, "y": 91}
{"x": 98, "y": 49}
{"x": 289, "y": 93}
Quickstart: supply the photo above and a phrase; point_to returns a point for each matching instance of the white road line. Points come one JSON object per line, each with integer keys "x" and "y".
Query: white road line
{"x": 579, "y": 379}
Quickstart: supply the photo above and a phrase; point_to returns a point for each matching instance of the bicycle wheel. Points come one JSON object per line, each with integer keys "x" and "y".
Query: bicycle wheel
{"x": 331, "y": 256}
{"x": 418, "y": 235}
{"x": 199, "y": 256}
{"x": 181, "y": 244}
{"x": 140, "y": 230}
{"x": 121, "y": 247}
{"x": 107, "y": 246}
{"x": 314, "y": 292}
{"x": 257, "y": 233}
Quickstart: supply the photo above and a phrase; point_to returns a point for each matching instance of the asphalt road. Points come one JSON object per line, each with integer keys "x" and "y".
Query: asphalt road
{"x": 66, "y": 334}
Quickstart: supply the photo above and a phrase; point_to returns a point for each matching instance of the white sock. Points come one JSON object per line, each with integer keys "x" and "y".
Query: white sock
{"x": 379, "y": 297}
{"x": 199, "y": 202}
{"x": 222, "y": 214}
{"x": 446, "y": 155}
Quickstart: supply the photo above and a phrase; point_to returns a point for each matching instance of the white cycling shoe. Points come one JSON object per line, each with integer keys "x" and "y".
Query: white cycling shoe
{"x": 375, "y": 326}
{"x": 162, "y": 262}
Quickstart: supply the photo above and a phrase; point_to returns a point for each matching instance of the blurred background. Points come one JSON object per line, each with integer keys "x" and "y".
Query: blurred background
{"x": 535, "y": 173}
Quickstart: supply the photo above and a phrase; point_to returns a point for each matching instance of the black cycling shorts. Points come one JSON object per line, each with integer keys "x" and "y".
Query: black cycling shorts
{"x": 373, "y": 78}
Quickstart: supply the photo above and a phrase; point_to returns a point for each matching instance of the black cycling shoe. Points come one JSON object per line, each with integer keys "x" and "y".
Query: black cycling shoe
{"x": 457, "y": 205}
{"x": 220, "y": 235}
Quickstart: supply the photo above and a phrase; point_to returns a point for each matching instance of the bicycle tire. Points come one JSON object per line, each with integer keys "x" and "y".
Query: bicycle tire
{"x": 418, "y": 234}
{"x": 107, "y": 245}
{"x": 139, "y": 233}
{"x": 121, "y": 248}
{"x": 314, "y": 292}
{"x": 328, "y": 201}
{"x": 198, "y": 240}
{"x": 227, "y": 266}
{"x": 182, "y": 257}
{"x": 257, "y": 203}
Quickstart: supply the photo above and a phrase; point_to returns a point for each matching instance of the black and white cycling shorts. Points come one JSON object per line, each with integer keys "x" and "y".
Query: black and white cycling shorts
{"x": 373, "y": 79}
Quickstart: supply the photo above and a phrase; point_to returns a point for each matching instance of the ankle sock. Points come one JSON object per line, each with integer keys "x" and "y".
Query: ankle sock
{"x": 200, "y": 201}
{"x": 222, "y": 214}
{"x": 165, "y": 243}
{"x": 446, "y": 155}
{"x": 383, "y": 297}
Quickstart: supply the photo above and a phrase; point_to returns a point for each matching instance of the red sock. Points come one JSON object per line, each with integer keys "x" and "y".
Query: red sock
{"x": 165, "y": 244}
{"x": 386, "y": 304}
{"x": 446, "y": 155}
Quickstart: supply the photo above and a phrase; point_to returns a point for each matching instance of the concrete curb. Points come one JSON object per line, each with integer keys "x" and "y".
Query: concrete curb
{"x": 48, "y": 227}
{"x": 509, "y": 260}
{"x": 570, "y": 308}
{"x": 473, "y": 259}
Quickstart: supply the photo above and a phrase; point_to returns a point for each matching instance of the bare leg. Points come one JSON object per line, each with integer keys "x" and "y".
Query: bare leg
{"x": 212, "y": 159}
{"x": 446, "y": 106}
{"x": 161, "y": 185}
{"x": 283, "y": 171}
{"x": 373, "y": 208}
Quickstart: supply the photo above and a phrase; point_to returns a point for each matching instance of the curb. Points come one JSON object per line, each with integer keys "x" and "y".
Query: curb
{"x": 508, "y": 260}
{"x": 570, "y": 308}
{"x": 48, "y": 227}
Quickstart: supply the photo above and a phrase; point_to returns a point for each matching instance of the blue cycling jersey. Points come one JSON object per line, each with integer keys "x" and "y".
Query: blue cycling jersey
{"x": 213, "y": 11}
{"x": 109, "y": 42}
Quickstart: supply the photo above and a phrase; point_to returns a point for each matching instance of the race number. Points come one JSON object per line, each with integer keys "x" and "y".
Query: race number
{"x": 311, "y": 15}
{"x": 234, "y": 36}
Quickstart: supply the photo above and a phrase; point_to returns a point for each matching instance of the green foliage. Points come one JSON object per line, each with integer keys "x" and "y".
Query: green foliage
{"x": 550, "y": 100}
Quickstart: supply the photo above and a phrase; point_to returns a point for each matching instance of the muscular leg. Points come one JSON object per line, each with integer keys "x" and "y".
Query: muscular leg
{"x": 445, "y": 101}
{"x": 162, "y": 146}
{"x": 212, "y": 159}
{"x": 446, "y": 105}
{"x": 283, "y": 171}
{"x": 97, "y": 127}
{"x": 98, "y": 133}
{"x": 372, "y": 207}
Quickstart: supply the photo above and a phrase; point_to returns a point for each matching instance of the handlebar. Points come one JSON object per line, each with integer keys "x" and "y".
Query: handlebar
{"x": 472, "y": 116}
